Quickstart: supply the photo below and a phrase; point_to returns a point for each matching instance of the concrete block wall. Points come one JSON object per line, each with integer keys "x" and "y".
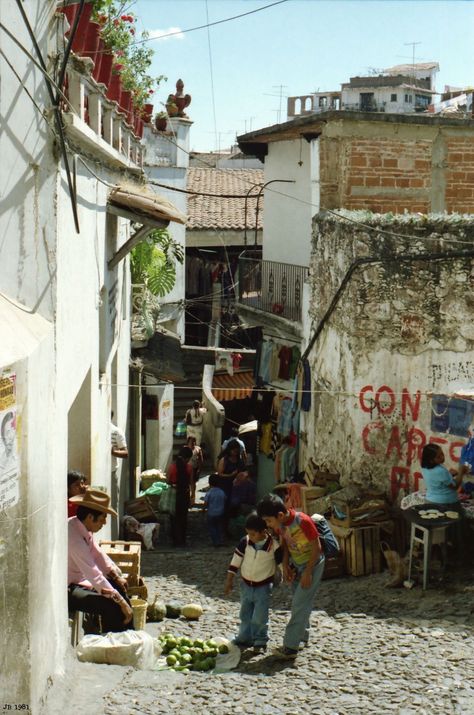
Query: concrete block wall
{"x": 397, "y": 167}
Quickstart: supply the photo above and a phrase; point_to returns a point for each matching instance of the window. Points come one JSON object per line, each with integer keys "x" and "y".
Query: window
{"x": 393, "y": 97}
{"x": 406, "y": 99}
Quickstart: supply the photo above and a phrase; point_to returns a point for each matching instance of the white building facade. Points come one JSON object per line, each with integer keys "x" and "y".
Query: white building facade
{"x": 65, "y": 335}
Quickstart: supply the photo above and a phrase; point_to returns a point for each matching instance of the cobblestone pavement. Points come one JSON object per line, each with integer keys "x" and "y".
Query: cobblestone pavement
{"x": 372, "y": 649}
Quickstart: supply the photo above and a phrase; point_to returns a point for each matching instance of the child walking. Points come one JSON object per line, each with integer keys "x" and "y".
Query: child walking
{"x": 257, "y": 556}
{"x": 214, "y": 502}
{"x": 303, "y": 566}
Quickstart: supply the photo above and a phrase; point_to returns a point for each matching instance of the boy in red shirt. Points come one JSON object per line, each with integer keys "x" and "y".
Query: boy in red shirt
{"x": 303, "y": 566}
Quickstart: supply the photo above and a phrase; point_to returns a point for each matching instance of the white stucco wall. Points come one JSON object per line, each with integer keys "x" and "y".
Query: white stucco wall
{"x": 382, "y": 97}
{"x": 62, "y": 276}
{"x": 172, "y": 174}
{"x": 289, "y": 207}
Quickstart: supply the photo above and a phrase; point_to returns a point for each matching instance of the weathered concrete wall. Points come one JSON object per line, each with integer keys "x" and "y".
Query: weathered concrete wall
{"x": 400, "y": 332}
{"x": 395, "y": 166}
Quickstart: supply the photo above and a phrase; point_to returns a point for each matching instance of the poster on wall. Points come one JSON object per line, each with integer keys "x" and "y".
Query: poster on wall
{"x": 9, "y": 472}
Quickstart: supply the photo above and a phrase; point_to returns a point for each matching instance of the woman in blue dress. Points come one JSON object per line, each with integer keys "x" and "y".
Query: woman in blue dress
{"x": 441, "y": 484}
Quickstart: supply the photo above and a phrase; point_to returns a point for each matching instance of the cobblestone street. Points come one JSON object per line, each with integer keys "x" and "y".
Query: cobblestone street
{"x": 372, "y": 649}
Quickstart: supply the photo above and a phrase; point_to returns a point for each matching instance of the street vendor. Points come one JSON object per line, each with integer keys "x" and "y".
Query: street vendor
{"x": 441, "y": 484}
{"x": 95, "y": 585}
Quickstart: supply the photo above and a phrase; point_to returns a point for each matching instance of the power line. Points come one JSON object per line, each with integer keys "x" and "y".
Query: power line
{"x": 368, "y": 227}
{"x": 211, "y": 72}
{"x": 210, "y": 24}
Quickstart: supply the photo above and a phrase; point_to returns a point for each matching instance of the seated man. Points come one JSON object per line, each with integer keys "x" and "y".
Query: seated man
{"x": 95, "y": 585}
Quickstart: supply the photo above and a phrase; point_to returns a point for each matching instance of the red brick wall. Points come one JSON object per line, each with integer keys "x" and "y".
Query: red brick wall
{"x": 384, "y": 174}
{"x": 459, "y": 174}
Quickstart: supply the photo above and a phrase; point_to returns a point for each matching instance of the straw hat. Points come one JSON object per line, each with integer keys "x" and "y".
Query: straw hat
{"x": 95, "y": 499}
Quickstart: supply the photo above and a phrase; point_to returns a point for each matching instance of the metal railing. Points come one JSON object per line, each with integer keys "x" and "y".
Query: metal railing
{"x": 272, "y": 287}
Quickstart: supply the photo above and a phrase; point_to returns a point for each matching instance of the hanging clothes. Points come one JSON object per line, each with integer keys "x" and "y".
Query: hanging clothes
{"x": 285, "y": 417}
{"x": 261, "y": 400}
{"x": 265, "y": 361}
{"x": 284, "y": 355}
{"x": 306, "y": 393}
{"x": 295, "y": 358}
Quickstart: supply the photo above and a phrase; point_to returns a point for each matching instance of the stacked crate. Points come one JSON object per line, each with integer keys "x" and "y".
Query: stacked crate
{"x": 127, "y": 555}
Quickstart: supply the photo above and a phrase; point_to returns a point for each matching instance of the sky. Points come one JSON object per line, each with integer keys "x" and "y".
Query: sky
{"x": 239, "y": 73}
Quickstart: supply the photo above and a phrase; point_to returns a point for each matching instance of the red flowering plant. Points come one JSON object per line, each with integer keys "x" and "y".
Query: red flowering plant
{"x": 133, "y": 60}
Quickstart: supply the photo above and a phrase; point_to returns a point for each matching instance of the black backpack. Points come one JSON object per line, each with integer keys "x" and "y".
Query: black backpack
{"x": 329, "y": 542}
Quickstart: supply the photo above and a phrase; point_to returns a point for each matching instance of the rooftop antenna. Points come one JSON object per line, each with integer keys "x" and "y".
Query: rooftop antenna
{"x": 280, "y": 87}
{"x": 413, "y": 45}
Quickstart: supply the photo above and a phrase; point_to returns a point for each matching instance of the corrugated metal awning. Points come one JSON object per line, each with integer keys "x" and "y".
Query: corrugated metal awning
{"x": 232, "y": 387}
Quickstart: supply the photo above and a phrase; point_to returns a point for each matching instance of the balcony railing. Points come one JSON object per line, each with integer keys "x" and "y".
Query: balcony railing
{"x": 272, "y": 287}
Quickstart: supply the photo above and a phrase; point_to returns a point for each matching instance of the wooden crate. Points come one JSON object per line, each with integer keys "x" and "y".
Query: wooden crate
{"x": 126, "y": 555}
{"x": 355, "y": 516}
{"x": 140, "y": 590}
{"x": 360, "y": 547}
{"x": 334, "y": 567}
{"x": 141, "y": 508}
{"x": 309, "y": 495}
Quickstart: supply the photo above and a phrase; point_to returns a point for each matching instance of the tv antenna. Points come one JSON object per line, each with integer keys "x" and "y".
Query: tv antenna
{"x": 280, "y": 87}
{"x": 412, "y": 45}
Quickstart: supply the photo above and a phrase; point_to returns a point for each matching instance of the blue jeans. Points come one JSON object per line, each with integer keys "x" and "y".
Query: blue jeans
{"x": 214, "y": 524}
{"x": 254, "y": 606}
{"x": 297, "y": 629}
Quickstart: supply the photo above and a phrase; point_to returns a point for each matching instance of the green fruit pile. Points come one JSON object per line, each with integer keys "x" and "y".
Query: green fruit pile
{"x": 185, "y": 654}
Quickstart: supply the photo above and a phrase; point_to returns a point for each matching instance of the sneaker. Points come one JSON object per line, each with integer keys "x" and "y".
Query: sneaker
{"x": 241, "y": 645}
{"x": 285, "y": 653}
{"x": 259, "y": 649}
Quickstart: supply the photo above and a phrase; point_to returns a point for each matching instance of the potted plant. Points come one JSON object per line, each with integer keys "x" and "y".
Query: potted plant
{"x": 161, "y": 121}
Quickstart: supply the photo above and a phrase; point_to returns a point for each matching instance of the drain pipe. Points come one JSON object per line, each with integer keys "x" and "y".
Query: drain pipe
{"x": 370, "y": 260}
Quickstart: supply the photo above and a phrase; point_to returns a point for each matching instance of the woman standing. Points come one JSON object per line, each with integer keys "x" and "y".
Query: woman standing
{"x": 179, "y": 476}
{"x": 194, "y": 420}
{"x": 196, "y": 463}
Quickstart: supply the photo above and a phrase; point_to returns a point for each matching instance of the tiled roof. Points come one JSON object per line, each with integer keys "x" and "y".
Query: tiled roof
{"x": 206, "y": 212}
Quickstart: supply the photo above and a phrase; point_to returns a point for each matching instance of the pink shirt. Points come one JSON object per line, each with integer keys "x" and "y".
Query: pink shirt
{"x": 87, "y": 564}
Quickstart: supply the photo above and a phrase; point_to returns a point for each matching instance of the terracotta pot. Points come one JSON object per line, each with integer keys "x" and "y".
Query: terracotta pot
{"x": 105, "y": 71}
{"x": 98, "y": 59}
{"x": 114, "y": 90}
{"x": 138, "y": 128}
{"x": 80, "y": 38}
{"x": 70, "y": 11}
{"x": 125, "y": 101}
{"x": 160, "y": 123}
{"x": 147, "y": 113}
{"x": 91, "y": 45}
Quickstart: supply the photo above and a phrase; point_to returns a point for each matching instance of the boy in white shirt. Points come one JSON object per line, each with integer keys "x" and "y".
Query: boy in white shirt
{"x": 257, "y": 556}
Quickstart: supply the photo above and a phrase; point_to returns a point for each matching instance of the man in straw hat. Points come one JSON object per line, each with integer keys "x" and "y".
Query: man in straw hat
{"x": 94, "y": 583}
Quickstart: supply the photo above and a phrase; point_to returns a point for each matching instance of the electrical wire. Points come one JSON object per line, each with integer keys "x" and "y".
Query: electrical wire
{"x": 22, "y": 84}
{"x": 210, "y": 24}
{"x": 203, "y": 193}
{"x": 333, "y": 393}
{"x": 211, "y": 73}
{"x": 338, "y": 216}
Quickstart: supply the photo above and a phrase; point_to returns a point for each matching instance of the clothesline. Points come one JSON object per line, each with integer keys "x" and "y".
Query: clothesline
{"x": 343, "y": 393}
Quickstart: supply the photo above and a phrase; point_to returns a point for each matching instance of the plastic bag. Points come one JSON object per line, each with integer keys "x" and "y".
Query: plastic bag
{"x": 413, "y": 499}
{"x": 136, "y": 648}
